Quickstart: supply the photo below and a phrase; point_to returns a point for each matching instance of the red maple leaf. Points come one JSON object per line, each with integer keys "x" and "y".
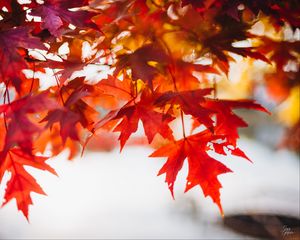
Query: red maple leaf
{"x": 117, "y": 88}
{"x": 227, "y": 122}
{"x": 56, "y": 15}
{"x": 12, "y": 59}
{"x": 153, "y": 121}
{"x": 74, "y": 110}
{"x": 190, "y": 104}
{"x": 21, "y": 183}
{"x": 21, "y": 128}
{"x": 19, "y": 37}
{"x": 65, "y": 68}
{"x": 184, "y": 75}
{"x": 203, "y": 169}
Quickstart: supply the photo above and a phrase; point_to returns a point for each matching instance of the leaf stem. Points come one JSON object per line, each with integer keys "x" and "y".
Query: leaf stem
{"x": 215, "y": 87}
{"x": 174, "y": 84}
{"x": 5, "y": 122}
{"x": 182, "y": 123}
{"x": 32, "y": 81}
{"x": 6, "y": 95}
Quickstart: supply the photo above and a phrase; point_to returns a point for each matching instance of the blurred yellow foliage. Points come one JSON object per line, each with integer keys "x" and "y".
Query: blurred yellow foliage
{"x": 132, "y": 42}
{"x": 239, "y": 83}
{"x": 185, "y": 48}
{"x": 289, "y": 112}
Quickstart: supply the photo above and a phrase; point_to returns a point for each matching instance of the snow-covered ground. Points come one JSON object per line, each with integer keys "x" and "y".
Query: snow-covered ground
{"x": 112, "y": 195}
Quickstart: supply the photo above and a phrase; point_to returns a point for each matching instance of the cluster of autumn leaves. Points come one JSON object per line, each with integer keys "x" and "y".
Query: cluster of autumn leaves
{"x": 161, "y": 61}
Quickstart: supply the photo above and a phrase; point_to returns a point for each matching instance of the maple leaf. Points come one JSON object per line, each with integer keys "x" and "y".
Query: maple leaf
{"x": 184, "y": 75}
{"x": 15, "y": 16}
{"x": 72, "y": 63}
{"x": 139, "y": 60}
{"x": 117, "y": 16}
{"x": 281, "y": 52}
{"x": 203, "y": 169}
{"x": 281, "y": 12}
{"x": 21, "y": 183}
{"x": 115, "y": 87}
{"x": 18, "y": 37}
{"x": 21, "y": 128}
{"x": 75, "y": 101}
{"x": 227, "y": 122}
{"x": 55, "y": 13}
{"x": 22, "y": 83}
{"x": 220, "y": 43}
{"x": 67, "y": 120}
{"x": 53, "y": 137}
{"x": 190, "y": 104}
{"x": 12, "y": 39}
{"x": 111, "y": 93}
{"x": 115, "y": 12}
{"x": 65, "y": 68}
{"x": 12, "y": 61}
{"x": 153, "y": 121}
{"x": 74, "y": 111}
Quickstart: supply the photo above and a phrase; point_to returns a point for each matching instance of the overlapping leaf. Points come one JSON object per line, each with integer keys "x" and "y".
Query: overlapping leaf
{"x": 153, "y": 121}
{"x": 139, "y": 63}
{"x": 21, "y": 126}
